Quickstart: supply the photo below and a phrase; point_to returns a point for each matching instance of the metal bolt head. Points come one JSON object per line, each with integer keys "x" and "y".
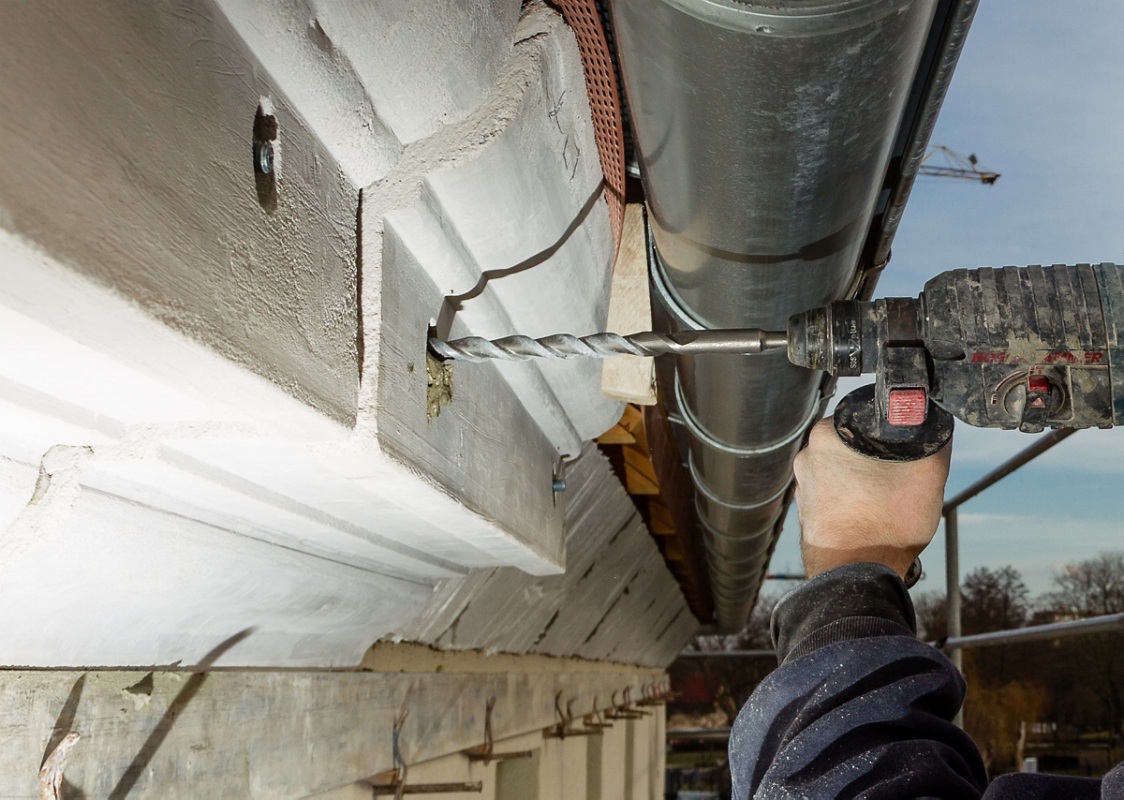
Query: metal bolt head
{"x": 263, "y": 157}
{"x": 559, "y": 485}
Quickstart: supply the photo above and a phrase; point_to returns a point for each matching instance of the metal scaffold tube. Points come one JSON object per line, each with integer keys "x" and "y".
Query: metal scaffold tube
{"x": 955, "y": 640}
{"x": 1109, "y": 623}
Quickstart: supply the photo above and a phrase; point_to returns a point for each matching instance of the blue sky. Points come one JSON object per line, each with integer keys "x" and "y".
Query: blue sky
{"x": 1039, "y": 97}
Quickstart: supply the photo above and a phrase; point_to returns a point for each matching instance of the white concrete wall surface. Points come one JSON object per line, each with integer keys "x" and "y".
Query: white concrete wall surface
{"x": 126, "y": 153}
{"x": 213, "y": 410}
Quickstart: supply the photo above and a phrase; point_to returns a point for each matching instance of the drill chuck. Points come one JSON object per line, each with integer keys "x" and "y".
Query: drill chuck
{"x": 845, "y": 337}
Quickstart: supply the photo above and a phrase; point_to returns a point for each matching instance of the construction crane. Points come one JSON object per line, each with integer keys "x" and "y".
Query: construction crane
{"x": 955, "y": 166}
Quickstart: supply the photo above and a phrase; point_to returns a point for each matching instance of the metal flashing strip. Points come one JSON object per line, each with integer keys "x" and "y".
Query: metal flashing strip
{"x": 666, "y": 294}
{"x": 703, "y": 489}
{"x": 704, "y": 436}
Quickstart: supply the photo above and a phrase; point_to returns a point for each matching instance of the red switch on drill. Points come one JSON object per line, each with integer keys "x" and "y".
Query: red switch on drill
{"x": 907, "y": 407}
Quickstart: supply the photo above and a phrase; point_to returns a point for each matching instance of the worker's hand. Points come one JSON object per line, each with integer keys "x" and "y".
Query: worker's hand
{"x": 854, "y": 509}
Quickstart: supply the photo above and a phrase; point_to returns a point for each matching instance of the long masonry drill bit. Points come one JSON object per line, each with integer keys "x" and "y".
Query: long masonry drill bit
{"x": 736, "y": 341}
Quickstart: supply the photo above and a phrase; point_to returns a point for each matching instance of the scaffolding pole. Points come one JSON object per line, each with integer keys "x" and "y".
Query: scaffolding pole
{"x": 952, "y": 592}
{"x": 953, "y": 645}
{"x": 1109, "y": 623}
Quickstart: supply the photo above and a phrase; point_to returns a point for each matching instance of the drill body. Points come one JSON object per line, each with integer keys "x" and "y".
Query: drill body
{"x": 1017, "y": 347}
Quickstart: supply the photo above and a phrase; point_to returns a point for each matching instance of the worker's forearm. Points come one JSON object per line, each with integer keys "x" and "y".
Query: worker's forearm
{"x": 858, "y": 703}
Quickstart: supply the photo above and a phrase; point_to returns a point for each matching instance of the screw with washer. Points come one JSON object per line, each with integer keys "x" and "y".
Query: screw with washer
{"x": 263, "y": 157}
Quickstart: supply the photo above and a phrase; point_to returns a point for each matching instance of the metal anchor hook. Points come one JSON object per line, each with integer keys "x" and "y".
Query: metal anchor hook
{"x": 565, "y": 725}
{"x": 558, "y": 730}
{"x": 400, "y": 769}
{"x": 395, "y": 781}
{"x": 484, "y": 752}
{"x": 650, "y": 695}
{"x": 622, "y": 710}
{"x": 594, "y": 721}
{"x": 661, "y": 693}
{"x": 628, "y": 704}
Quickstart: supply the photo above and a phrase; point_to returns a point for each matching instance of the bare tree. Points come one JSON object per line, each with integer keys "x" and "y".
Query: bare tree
{"x": 994, "y": 600}
{"x": 1089, "y": 588}
{"x": 932, "y": 615}
{"x": 996, "y": 715}
{"x": 1085, "y": 589}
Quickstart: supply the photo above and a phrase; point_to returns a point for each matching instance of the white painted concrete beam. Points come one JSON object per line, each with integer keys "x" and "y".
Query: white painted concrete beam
{"x": 298, "y": 46}
{"x": 213, "y": 404}
{"x": 127, "y": 154}
{"x": 86, "y": 578}
{"x": 425, "y": 65}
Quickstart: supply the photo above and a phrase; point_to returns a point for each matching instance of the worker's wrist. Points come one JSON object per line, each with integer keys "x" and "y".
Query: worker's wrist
{"x": 819, "y": 559}
{"x": 848, "y": 602}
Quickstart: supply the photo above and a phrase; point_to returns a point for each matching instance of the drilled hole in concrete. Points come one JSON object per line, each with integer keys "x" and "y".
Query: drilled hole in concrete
{"x": 439, "y": 385}
{"x": 319, "y": 36}
{"x": 267, "y": 157}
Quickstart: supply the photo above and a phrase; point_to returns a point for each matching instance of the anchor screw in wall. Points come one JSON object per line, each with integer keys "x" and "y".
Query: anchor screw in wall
{"x": 263, "y": 157}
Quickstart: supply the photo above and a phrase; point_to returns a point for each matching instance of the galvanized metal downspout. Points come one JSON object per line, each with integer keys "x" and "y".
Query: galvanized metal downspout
{"x": 764, "y": 130}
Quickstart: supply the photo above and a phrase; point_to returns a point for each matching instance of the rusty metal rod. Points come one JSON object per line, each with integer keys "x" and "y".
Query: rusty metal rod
{"x": 427, "y": 788}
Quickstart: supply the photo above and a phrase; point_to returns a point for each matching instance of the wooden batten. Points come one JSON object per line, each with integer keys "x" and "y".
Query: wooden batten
{"x": 630, "y": 378}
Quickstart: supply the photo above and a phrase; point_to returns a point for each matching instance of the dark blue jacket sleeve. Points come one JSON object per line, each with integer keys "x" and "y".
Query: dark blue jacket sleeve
{"x": 858, "y": 706}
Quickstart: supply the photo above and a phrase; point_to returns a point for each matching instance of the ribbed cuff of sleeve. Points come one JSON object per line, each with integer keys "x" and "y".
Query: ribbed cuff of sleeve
{"x": 853, "y": 601}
